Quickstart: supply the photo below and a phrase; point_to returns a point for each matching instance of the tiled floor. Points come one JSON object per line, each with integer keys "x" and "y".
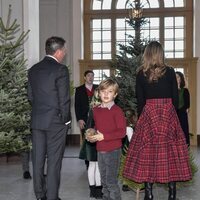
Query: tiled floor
{"x": 74, "y": 185}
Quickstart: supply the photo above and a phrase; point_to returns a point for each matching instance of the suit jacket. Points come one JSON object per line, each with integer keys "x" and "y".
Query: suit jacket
{"x": 49, "y": 93}
{"x": 82, "y": 102}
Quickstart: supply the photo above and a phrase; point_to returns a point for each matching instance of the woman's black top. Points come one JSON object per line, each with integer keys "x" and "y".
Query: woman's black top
{"x": 164, "y": 87}
{"x": 186, "y": 100}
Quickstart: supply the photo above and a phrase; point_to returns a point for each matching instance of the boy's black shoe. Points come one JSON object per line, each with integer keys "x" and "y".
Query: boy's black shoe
{"x": 125, "y": 188}
{"x": 43, "y": 198}
{"x": 27, "y": 175}
{"x": 98, "y": 192}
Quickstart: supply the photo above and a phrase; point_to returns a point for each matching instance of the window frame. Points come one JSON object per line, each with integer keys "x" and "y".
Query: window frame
{"x": 161, "y": 12}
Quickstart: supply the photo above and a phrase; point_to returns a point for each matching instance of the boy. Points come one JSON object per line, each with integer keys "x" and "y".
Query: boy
{"x": 110, "y": 124}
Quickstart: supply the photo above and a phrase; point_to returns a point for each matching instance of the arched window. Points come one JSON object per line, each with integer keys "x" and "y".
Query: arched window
{"x": 170, "y": 22}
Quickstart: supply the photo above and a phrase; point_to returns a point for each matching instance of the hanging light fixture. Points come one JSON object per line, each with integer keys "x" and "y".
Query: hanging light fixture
{"x": 136, "y": 10}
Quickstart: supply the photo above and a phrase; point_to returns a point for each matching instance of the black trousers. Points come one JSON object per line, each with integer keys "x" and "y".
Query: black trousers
{"x": 48, "y": 144}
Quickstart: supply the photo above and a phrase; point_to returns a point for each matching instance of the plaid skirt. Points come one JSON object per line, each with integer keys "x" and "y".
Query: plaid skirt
{"x": 158, "y": 151}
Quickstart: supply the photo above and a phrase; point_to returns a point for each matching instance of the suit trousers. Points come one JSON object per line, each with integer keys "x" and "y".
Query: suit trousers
{"x": 48, "y": 144}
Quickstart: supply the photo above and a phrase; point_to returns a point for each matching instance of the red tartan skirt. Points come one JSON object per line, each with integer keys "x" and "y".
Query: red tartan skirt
{"x": 158, "y": 151}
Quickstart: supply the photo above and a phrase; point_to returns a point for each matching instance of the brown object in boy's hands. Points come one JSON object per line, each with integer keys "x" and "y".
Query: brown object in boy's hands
{"x": 90, "y": 132}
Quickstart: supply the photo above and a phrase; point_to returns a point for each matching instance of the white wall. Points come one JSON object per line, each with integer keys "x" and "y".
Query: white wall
{"x": 31, "y": 22}
{"x": 76, "y": 51}
{"x": 17, "y": 10}
{"x": 26, "y": 13}
{"x": 64, "y": 18}
{"x": 197, "y": 54}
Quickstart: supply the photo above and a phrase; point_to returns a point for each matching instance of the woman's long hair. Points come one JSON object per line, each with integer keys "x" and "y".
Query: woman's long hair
{"x": 182, "y": 79}
{"x": 153, "y": 61}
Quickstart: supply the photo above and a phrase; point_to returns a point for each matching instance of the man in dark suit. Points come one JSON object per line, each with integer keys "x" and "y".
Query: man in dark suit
{"x": 83, "y": 96}
{"x": 49, "y": 94}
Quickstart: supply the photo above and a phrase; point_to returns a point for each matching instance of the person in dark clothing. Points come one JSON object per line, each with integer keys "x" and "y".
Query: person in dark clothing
{"x": 25, "y": 157}
{"x": 184, "y": 105}
{"x": 49, "y": 94}
{"x": 83, "y": 97}
{"x": 157, "y": 152}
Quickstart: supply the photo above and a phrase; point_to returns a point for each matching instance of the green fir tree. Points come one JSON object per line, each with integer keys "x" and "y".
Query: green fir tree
{"x": 128, "y": 60}
{"x": 14, "y": 106}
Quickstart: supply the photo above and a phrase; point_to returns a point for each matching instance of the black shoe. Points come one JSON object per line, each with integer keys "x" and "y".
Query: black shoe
{"x": 27, "y": 175}
{"x": 92, "y": 191}
{"x": 98, "y": 192}
{"x": 148, "y": 191}
{"x": 43, "y": 198}
{"x": 172, "y": 190}
{"x": 125, "y": 188}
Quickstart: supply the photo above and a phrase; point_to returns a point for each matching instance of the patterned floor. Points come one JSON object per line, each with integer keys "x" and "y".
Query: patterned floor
{"x": 74, "y": 185}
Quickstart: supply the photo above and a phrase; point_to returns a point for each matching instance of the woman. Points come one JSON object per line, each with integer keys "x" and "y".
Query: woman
{"x": 157, "y": 151}
{"x": 184, "y": 105}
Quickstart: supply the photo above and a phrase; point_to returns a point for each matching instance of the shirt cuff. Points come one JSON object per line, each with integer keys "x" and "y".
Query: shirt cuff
{"x": 68, "y": 122}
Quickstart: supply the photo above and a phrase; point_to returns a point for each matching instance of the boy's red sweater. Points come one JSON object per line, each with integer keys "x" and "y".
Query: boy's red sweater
{"x": 112, "y": 124}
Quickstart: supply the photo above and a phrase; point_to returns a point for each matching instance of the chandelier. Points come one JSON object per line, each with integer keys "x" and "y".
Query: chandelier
{"x": 136, "y": 11}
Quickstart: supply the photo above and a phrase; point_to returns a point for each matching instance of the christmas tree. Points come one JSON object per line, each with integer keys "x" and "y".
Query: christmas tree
{"x": 14, "y": 106}
{"x": 128, "y": 60}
